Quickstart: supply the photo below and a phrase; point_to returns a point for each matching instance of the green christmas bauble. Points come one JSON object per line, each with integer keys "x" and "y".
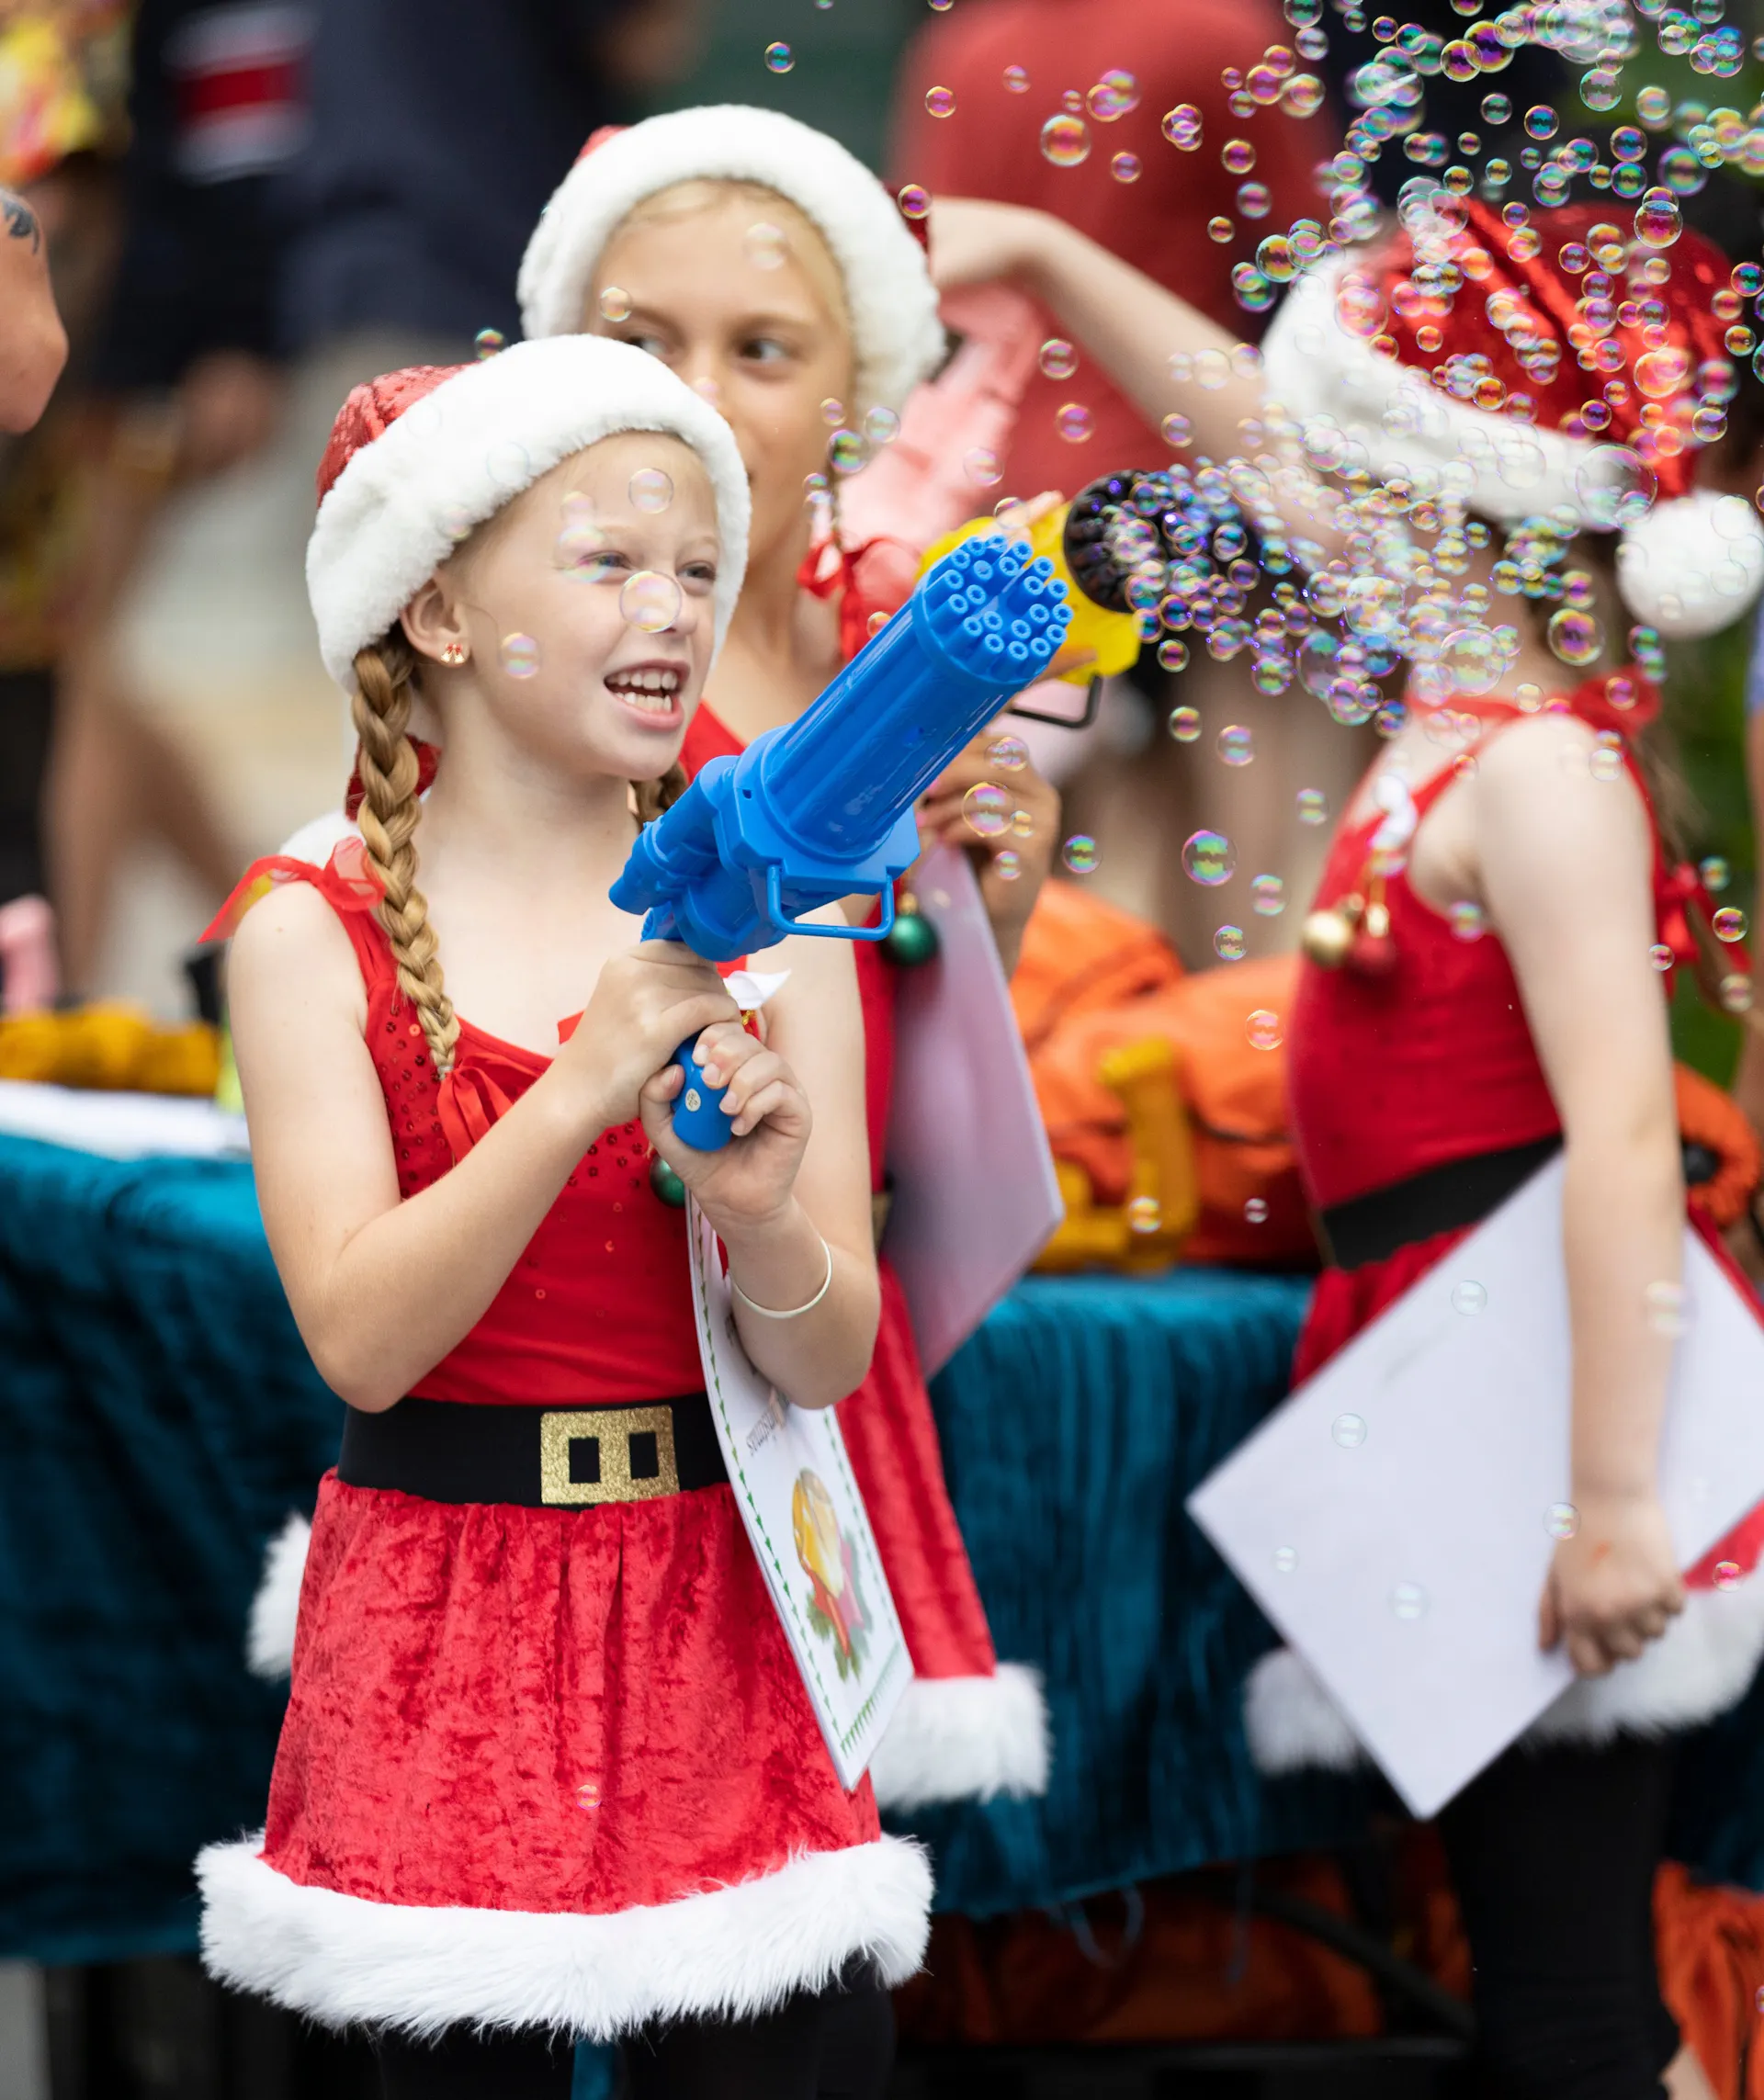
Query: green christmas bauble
{"x": 667, "y": 1184}
{"x": 912, "y": 940}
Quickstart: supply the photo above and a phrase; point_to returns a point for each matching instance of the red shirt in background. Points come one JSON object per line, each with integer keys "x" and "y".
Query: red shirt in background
{"x": 990, "y": 147}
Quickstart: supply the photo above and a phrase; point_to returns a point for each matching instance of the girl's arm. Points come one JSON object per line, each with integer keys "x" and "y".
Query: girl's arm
{"x": 791, "y": 1181}
{"x": 1565, "y": 863}
{"x": 382, "y": 1290}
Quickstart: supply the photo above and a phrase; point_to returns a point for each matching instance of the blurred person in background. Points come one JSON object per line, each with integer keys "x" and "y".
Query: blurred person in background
{"x": 1060, "y": 106}
{"x": 61, "y": 132}
{"x": 186, "y": 384}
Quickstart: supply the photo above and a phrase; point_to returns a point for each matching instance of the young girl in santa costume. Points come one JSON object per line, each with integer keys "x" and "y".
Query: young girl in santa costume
{"x": 548, "y": 1770}
{"x": 1489, "y": 964}
{"x": 765, "y": 266}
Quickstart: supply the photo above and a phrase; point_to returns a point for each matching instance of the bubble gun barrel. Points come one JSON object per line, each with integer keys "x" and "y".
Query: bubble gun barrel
{"x": 822, "y": 809}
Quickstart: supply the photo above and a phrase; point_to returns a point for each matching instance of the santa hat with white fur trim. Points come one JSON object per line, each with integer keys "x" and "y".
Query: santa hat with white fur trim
{"x": 897, "y": 336}
{"x": 418, "y": 458}
{"x": 1514, "y": 365}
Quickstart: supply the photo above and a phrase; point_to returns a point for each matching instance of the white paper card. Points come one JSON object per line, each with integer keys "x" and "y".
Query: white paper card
{"x": 121, "y": 1126}
{"x": 975, "y": 1193}
{"x": 808, "y": 1528}
{"x": 1390, "y": 1518}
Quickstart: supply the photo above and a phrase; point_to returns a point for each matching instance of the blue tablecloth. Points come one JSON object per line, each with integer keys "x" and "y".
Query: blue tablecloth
{"x": 159, "y": 1419}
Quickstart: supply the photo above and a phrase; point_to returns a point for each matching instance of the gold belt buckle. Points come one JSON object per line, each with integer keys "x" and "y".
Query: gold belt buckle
{"x": 611, "y": 1430}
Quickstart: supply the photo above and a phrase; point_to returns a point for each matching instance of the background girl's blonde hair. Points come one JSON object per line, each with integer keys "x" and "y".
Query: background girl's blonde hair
{"x": 387, "y": 768}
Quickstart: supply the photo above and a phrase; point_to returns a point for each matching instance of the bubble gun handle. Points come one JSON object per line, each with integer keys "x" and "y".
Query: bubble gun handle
{"x": 822, "y": 809}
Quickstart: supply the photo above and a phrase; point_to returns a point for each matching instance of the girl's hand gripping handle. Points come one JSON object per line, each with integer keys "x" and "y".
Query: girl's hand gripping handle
{"x": 698, "y": 1118}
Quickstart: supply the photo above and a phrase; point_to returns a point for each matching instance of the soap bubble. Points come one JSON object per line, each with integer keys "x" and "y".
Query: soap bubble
{"x": 1236, "y": 745}
{"x": 940, "y": 102}
{"x": 1303, "y": 94}
{"x": 1184, "y": 722}
{"x": 1116, "y": 95}
{"x": 1056, "y": 359}
{"x": 1208, "y": 859}
{"x": 615, "y": 303}
{"x": 1496, "y": 109}
{"x": 1575, "y": 636}
{"x": 846, "y": 452}
{"x": 1237, "y": 156}
{"x": 1228, "y": 945}
{"x": 487, "y": 342}
{"x": 1255, "y": 1211}
{"x": 1286, "y": 1559}
{"x": 1145, "y": 1215}
{"x": 1728, "y": 924}
{"x": 1728, "y": 1575}
{"x": 520, "y": 655}
{"x": 986, "y": 809}
{"x": 1661, "y": 956}
{"x": 588, "y": 1794}
{"x": 1561, "y": 1519}
{"x": 1010, "y": 754}
{"x": 779, "y": 58}
{"x": 1658, "y": 221}
{"x": 1468, "y": 919}
{"x": 1312, "y": 805}
{"x": 1270, "y": 894}
{"x": 1080, "y": 854}
{"x": 1016, "y": 80}
{"x": 1469, "y": 1298}
{"x": 1714, "y": 872}
{"x": 1007, "y": 863}
{"x": 1124, "y": 167}
{"x": 1176, "y": 432}
{"x": 881, "y": 425}
{"x": 1605, "y": 761}
{"x": 509, "y": 465}
{"x": 981, "y": 467}
{"x": 1615, "y": 488}
{"x": 1262, "y": 1028}
{"x": 651, "y": 489}
{"x": 1349, "y": 1431}
{"x": 1072, "y": 421}
{"x": 649, "y": 601}
{"x": 765, "y": 246}
{"x": 1408, "y": 1600}
{"x": 1254, "y": 199}
{"x": 914, "y": 200}
{"x": 1653, "y": 105}
{"x": 1181, "y": 126}
{"x": 1065, "y": 141}
{"x": 1664, "y": 1303}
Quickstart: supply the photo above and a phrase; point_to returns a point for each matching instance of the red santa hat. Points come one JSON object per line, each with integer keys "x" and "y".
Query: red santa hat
{"x": 896, "y": 335}
{"x": 1467, "y": 355}
{"x": 418, "y": 458}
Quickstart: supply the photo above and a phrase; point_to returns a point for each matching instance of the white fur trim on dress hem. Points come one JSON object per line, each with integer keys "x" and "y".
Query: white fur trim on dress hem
{"x": 731, "y": 1952}
{"x": 1697, "y": 1670}
{"x": 955, "y": 1739}
{"x": 269, "y": 1633}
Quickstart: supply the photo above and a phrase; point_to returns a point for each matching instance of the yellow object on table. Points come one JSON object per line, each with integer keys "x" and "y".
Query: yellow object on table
{"x": 1145, "y": 1233}
{"x": 1098, "y": 643}
{"x": 111, "y": 1048}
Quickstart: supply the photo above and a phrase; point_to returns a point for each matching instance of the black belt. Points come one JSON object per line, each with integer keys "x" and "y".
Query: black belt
{"x": 1445, "y": 1199}
{"x": 541, "y": 1457}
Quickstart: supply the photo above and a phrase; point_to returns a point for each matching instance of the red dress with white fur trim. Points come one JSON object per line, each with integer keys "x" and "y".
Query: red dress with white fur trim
{"x": 969, "y": 1726}
{"x": 1394, "y": 1076}
{"x": 546, "y": 1767}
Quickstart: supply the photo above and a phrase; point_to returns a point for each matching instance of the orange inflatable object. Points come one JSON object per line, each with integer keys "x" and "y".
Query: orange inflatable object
{"x": 111, "y": 1048}
{"x": 1707, "y": 1117}
{"x": 1709, "y": 1944}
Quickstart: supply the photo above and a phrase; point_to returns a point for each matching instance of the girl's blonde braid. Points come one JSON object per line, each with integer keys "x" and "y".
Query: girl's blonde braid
{"x": 655, "y": 796}
{"x": 390, "y": 808}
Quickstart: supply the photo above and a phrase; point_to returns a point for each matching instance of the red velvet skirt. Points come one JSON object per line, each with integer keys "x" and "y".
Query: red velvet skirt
{"x": 550, "y": 1767}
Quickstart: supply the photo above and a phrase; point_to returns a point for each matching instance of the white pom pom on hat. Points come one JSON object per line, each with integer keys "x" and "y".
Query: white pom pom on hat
{"x": 418, "y": 459}
{"x": 895, "y": 332}
{"x": 1692, "y": 566}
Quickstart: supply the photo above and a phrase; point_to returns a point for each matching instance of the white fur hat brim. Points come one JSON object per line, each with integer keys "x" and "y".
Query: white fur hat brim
{"x": 456, "y": 456}
{"x": 1688, "y": 567}
{"x": 896, "y": 335}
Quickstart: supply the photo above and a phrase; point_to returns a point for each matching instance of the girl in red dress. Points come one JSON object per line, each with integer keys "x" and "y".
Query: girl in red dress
{"x": 548, "y": 1770}
{"x": 1493, "y": 943}
{"x": 764, "y": 264}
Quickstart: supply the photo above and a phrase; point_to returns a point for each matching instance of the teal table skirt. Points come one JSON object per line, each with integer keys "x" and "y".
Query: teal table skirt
{"x": 159, "y": 1419}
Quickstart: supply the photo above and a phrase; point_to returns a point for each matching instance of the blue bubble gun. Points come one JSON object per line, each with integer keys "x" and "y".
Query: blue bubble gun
{"x": 822, "y": 809}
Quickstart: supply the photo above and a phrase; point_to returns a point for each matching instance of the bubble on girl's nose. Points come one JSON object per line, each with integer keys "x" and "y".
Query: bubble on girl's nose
{"x": 488, "y": 341}
{"x": 649, "y": 601}
{"x": 1228, "y": 945}
{"x": 1008, "y": 754}
{"x": 1209, "y": 859}
{"x": 881, "y": 426}
{"x": 765, "y": 246}
{"x": 1080, "y": 854}
{"x": 1058, "y": 359}
{"x": 940, "y": 102}
{"x": 1073, "y": 422}
{"x": 779, "y": 58}
{"x": 520, "y": 655}
{"x": 914, "y": 200}
{"x": 615, "y": 304}
{"x": 981, "y": 467}
{"x": 986, "y": 809}
{"x": 1016, "y": 80}
{"x": 1065, "y": 141}
{"x": 508, "y": 465}
{"x": 652, "y": 489}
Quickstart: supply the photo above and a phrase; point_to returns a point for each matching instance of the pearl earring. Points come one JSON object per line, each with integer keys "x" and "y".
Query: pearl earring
{"x": 455, "y": 653}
